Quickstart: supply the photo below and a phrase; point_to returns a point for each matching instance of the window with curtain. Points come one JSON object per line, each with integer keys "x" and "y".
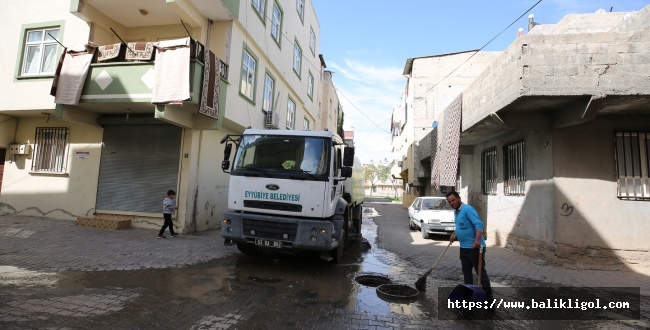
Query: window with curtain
{"x": 291, "y": 114}
{"x": 248, "y": 76}
{"x": 276, "y": 23}
{"x": 259, "y": 6}
{"x": 269, "y": 83}
{"x": 297, "y": 58}
{"x": 310, "y": 86}
{"x": 40, "y": 52}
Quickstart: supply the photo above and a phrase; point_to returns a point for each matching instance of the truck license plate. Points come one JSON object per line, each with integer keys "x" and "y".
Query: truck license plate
{"x": 268, "y": 243}
{"x": 450, "y": 228}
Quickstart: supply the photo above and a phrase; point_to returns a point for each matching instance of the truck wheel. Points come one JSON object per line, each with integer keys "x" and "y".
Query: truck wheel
{"x": 337, "y": 254}
{"x": 246, "y": 248}
{"x": 425, "y": 235}
{"x": 411, "y": 225}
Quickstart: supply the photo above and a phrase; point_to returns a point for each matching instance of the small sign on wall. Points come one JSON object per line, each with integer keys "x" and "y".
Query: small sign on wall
{"x": 82, "y": 154}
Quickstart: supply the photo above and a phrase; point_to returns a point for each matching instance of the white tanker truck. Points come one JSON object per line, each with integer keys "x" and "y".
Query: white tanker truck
{"x": 292, "y": 190}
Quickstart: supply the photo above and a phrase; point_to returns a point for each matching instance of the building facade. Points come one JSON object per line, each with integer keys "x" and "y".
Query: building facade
{"x": 552, "y": 148}
{"x": 127, "y": 125}
{"x": 433, "y": 82}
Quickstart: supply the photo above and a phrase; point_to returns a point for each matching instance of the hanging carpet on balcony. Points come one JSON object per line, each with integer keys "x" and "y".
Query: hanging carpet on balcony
{"x": 172, "y": 72}
{"x": 210, "y": 90}
{"x": 445, "y": 166}
{"x": 139, "y": 51}
{"x": 70, "y": 75}
{"x": 110, "y": 53}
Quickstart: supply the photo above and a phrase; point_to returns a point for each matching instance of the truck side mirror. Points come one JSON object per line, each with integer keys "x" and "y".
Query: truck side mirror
{"x": 346, "y": 172}
{"x": 348, "y": 156}
{"x": 226, "y": 151}
{"x": 225, "y": 164}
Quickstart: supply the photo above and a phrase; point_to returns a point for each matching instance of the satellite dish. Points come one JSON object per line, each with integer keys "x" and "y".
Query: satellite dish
{"x": 434, "y": 124}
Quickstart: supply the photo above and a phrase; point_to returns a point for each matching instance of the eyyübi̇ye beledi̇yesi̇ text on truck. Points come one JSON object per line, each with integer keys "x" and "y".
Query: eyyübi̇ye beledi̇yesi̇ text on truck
{"x": 292, "y": 191}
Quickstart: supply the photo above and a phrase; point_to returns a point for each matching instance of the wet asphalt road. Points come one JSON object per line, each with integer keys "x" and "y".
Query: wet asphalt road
{"x": 145, "y": 287}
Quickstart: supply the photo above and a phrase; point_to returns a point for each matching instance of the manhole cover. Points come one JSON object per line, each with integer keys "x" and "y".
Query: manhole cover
{"x": 373, "y": 280}
{"x": 397, "y": 292}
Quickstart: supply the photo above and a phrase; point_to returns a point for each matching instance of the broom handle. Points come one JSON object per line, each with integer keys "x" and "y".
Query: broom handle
{"x": 480, "y": 264}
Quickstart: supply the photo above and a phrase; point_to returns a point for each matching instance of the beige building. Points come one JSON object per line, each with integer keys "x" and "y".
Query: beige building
{"x": 433, "y": 82}
{"x": 329, "y": 107}
{"x": 144, "y": 111}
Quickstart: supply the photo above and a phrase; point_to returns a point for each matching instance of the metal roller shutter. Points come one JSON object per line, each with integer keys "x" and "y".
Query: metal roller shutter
{"x": 139, "y": 163}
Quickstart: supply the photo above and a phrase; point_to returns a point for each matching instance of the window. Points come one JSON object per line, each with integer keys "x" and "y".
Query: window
{"x": 300, "y": 7}
{"x": 305, "y": 124}
{"x": 514, "y": 171}
{"x": 269, "y": 84}
{"x": 310, "y": 86}
{"x": 248, "y": 76}
{"x": 312, "y": 41}
{"x": 260, "y": 8}
{"x": 39, "y": 53}
{"x": 276, "y": 23}
{"x": 297, "y": 58}
{"x": 49, "y": 153}
{"x": 291, "y": 113}
{"x": 632, "y": 151}
{"x": 489, "y": 171}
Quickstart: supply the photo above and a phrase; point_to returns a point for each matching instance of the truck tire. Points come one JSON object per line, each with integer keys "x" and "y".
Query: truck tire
{"x": 411, "y": 225}
{"x": 246, "y": 248}
{"x": 337, "y": 254}
{"x": 425, "y": 235}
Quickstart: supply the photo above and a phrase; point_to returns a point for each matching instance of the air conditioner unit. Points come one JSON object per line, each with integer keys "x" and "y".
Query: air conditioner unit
{"x": 271, "y": 120}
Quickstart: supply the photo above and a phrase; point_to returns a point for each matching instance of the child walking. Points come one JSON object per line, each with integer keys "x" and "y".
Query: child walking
{"x": 168, "y": 210}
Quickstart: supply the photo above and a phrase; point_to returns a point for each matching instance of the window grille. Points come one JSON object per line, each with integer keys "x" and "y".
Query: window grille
{"x": 489, "y": 171}
{"x": 514, "y": 169}
{"x": 50, "y": 146}
{"x": 632, "y": 152}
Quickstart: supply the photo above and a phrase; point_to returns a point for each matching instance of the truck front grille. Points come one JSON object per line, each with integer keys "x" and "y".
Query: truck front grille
{"x": 270, "y": 229}
{"x": 273, "y": 206}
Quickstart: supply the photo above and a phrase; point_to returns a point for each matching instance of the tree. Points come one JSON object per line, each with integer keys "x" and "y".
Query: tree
{"x": 374, "y": 174}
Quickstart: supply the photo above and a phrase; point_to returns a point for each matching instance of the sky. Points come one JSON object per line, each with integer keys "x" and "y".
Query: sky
{"x": 366, "y": 43}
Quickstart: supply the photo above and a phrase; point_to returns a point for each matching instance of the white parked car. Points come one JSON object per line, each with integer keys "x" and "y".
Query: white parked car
{"x": 431, "y": 215}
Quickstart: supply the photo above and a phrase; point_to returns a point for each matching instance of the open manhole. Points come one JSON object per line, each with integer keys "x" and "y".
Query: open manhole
{"x": 373, "y": 280}
{"x": 397, "y": 292}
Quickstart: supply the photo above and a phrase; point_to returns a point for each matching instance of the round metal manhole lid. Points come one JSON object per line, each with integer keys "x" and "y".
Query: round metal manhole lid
{"x": 397, "y": 292}
{"x": 373, "y": 280}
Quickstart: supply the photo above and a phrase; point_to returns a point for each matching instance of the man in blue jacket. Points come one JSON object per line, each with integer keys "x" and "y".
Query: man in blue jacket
{"x": 469, "y": 232}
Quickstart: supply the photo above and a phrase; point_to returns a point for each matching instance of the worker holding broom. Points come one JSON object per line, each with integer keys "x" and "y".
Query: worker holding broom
{"x": 469, "y": 232}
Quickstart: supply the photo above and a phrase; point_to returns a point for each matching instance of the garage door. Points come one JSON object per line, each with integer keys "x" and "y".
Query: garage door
{"x": 139, "y": 164}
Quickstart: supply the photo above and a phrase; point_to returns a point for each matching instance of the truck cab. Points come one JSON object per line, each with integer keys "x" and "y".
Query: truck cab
{"x": 288, "y": 191}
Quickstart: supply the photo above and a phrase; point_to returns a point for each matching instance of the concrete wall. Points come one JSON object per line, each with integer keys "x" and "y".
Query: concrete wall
{"x": 523, "y": 222}
{"x": 63, "y": 196}
{"x": 591, "y": 222}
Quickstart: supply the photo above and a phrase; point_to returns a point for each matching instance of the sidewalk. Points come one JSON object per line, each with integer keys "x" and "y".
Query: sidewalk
{"x": 503, "y": 264}
{"x": 48, "y": 245}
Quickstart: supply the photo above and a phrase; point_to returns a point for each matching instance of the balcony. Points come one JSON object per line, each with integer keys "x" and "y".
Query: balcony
{"x": 123, "y": 87}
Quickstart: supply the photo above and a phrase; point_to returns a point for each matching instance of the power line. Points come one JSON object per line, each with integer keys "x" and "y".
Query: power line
{"x": 458, "y": 67}
{"x": 480, "y": 49}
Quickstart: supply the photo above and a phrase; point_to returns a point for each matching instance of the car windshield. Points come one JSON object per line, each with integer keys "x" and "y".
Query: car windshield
{"x": 435, "y": 204}
{"x": 268, "y": 153}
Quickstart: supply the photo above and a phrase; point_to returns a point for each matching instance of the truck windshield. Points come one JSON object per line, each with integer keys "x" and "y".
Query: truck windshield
{"x": 286, "y": 154}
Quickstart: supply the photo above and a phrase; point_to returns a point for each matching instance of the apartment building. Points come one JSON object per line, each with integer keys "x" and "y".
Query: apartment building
{"x": 106, "y": 105}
